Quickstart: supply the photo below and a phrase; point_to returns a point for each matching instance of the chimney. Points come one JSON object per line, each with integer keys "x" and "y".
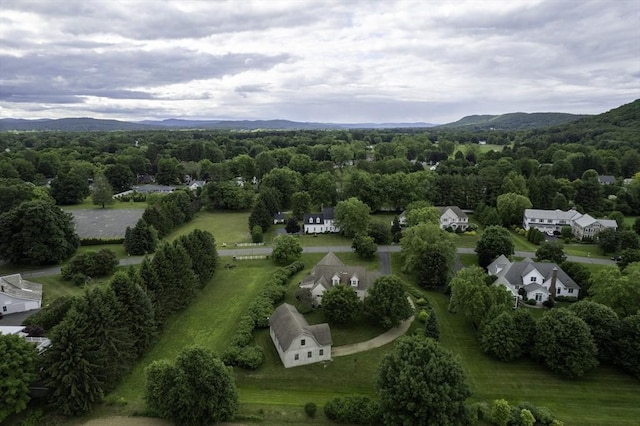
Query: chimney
{"x": 552, "y": 287}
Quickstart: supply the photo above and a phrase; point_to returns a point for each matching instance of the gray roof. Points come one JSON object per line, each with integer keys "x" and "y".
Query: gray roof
{"x": 534, "y": 287}
{"x": 551, "y": 214}
{"x": 606, "y": 179}
{"x": 278, "y": 216}
{"x": 517, "y": 270}
{"x": 327, "y": 214}
{"x": 153, "y": 188}
{"x": 455, "y": 209}
{"x": 330, "y": 265}
{"x": 15, "y": 286}
{"x": 288, "y": 324}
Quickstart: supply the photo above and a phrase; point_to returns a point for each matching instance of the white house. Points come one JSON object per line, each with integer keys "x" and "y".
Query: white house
{"x": 453, "y": 217}
{"x": 450, "y": 216}
{"x": 279, "y": 218}
{"x": 582, "y": 225}
{"x": 195, "y": 184}
{"x": 317, "y": 223}
{"x": 538, "y": 279}
{"x": 331, "y": 271}
{"x": 297, "y": 342}
{"x": 588, "y": 227}
{"x": 19, "y": 295}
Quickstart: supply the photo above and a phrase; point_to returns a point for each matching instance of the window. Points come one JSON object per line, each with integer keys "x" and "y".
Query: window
{"x": 296, "y": 357}
{"x": 321, "y": 352}
{"x": 310, "y": 220}
{"x": 309, "y": 354}
{"x": 570, "y": 291}
{"x": 317, "y": 220}
{"x": 4, "y": 309}
{"x": 302, "y": 342}
{"x": 534, "y": 279}
{"x": 538, "y": 297}
{"x": 559, "y": 289}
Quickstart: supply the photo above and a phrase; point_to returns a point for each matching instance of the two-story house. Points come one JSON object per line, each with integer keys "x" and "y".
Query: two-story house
{"x": 331, "y": 271}
{"x": 318, "y": 223}
{"x": 297, "y": 342}
{"x": 453, "y": 217}
{"x": 537, "y": 280}
{"x": 588, "y": 227}
{"x": 582, "y": 225}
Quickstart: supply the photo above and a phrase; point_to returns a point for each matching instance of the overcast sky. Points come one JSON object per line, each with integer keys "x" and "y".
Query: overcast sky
{"x": 327, "y": 61}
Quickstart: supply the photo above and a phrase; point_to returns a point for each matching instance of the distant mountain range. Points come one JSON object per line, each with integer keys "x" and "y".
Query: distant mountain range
{"x": 513, "y": 121}
{"x": 93, "y": 124}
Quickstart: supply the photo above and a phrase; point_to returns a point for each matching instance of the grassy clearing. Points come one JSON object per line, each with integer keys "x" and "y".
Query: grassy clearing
{"x": 53, "y": 286}
{"x": 88, "y": 204}
{"x": 226, "y": 227}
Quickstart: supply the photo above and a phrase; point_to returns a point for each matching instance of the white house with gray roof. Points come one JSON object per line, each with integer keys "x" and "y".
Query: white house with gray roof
{"x": 453, "y": 217}
{"x": 536, "y": 278}
{"x": 331, "y": 271}
{"x": 19, "y": 295}
{"x": 319, "y": 223}
{"x": 297, "y": 342}
{"x": 582, "y": 225}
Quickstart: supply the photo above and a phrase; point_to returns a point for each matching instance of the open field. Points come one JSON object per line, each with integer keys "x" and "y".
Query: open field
{"x": 226, "y": 227}
{"x": 88, "y": 204}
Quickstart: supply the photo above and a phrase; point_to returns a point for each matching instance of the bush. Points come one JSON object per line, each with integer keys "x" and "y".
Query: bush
{"x": 249, "y": 357}
{"x": 353, "y": 409}
{"x": 100, "y": 241}
{"x": 310, "y": 408}
{"x": 568, "y": 299}
{"x": 531, "y": 302}
{"x": 422, "y": 302}
{"x": 92, "y": 264}
{"x": 549, "y": 303}
{"x": 256, "y": 234}
{"x": 423, "y": 316}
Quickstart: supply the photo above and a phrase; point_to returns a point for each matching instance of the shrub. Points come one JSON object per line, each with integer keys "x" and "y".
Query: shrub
{"x": 423, "y": 316}
{"x": 568, "y": 299}
{"x": 256, "y": 234}
{"x": 549, "y": 303}
{"x": 353, "y": 409}
{"x": 531, "y": 302}
{"x": 310, "y": 408}
{"x": 260, "y": 310}
{"x": 422, "y": 302}
{"x": 100, "y": 241}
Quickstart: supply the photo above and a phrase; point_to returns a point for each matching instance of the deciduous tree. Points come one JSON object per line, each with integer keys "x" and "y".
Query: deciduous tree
{"x": 511, "y": 207}
{"x": 102, "y": 192}
{"x": 495, "y": 240}
{"x": 352, "y": 216}
{"x": 386, "y": 303}
{"x": 341, "y": 304}
{"x": 420, "y": 383}
{"x": 286, "y": 249}
{"x": 364, "y": 246}
{"x": 551, "y": 251}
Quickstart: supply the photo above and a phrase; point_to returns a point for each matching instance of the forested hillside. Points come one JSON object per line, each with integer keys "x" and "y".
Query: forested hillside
{"x": 513, "y": 121}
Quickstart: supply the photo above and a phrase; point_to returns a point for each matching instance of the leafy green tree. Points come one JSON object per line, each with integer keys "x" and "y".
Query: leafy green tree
{"x": 608, "y": 240}
{"x": 71, "y": 366}
{"x": 386, "y": 303}
{"x": 427, "y": 249}
{"x": 495, "y": 240}
{"x": 257, "y": 235}
{"x": 364, "y": 246}
{"x": 37, "y": 232}
{"x": 629, "y": 240}
{"x": 91, "y": 264}
{"x": 292, "y": 226}
{"x": 198, "y": 390}
{"x": 271, "y": 199}
{"x": 169, "y": 171}
{"x": 341, "y": 304}
{"x": 380, "y": 231}
{"x": 619, "y": 291}
{"x": 551, "y": 251}
{"x": 142, "y": 239}
{"x": 502, "y": 339}
{"x": 423, "y": 215}
{"x": 135, "y": 310}
{"x": 102, "y": 193}
{"x": 300, "y": 204}
{"x": 421, "y": 383}
{"x": 559, "y": 202}
{"x": 500, "y": 412}
{"x": 260, "y": 216}
{"x": 13, "y": 192}
{"x": 628, "y": 344}
{"x": 564, "y": 343}
{"x": 526, "y": 418}
{"x": 396, "y": 230}
{"x": 322, "y": 188}
{"x": 431, "y": 324}
{"x": 636, "y": 225}
{"x": 286, "y": 249}
{"x": 511, "y": 208}
{"x": 18, "y": 370}
{"x": 69, "y": 188}
{"x": 352, "y": 217}
{"x": 471, "y": 295}
{"x": 120, "y": 177}
{"x": 226, "y": 196}
{"x": 285, "y": 182}
{"x": 603, "y": 323}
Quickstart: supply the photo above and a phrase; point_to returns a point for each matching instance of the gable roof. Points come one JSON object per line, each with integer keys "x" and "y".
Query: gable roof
{"x": 556, "y": 214}
{"x": 327, "y": 212}
{"x": 329, "y": 266}
{"x": 606, "y": 179}
{"x": 15, "y": 286}
{"x": 455, "y": 209}
{"x": 330, "y": 259}
{"x": 517, "y": 270}
{"x": 287, "y": 324}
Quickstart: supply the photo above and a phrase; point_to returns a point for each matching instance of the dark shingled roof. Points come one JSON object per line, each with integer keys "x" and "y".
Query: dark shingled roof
{"x": 287, "y": 324}
{"x": 458, "y": 212}
{"x": 519, "y": 269}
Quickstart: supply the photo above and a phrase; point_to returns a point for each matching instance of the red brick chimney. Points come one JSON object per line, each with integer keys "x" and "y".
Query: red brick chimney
{"x": 552, "y": 287}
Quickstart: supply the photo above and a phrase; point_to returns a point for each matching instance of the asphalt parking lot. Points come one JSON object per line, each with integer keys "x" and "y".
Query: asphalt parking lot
{"x": 104, "y": 223}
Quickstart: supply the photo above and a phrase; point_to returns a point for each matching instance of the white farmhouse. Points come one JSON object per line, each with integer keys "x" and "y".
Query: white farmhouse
{"x": 19, "y": 295}
{"x": 297, "y": 342}
{"x": 318, "y": 223}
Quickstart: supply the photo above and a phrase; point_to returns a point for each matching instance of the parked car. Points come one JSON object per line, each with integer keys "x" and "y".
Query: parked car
{"x": 616, "y": 258}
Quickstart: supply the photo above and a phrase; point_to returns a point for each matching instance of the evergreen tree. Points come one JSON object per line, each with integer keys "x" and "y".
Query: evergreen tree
{"x": 260, "y": 216}
{"x": 177, "y": 281}
{"x": 71, "y": 367}
{"x": 142, "y": 239}
{"x": 135, "y": 310}
{"x": 201, "y": 248}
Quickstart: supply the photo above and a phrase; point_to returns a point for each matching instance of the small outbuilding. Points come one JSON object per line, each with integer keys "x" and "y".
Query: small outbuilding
{"x": 18, "y": 294}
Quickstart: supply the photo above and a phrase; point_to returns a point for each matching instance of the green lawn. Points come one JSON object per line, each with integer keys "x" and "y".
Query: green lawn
{"x": 53, "y": 287}
{"x": 88, "y": 204}
{"x": 226, "y": 227}
{"x": 605, "y": 396}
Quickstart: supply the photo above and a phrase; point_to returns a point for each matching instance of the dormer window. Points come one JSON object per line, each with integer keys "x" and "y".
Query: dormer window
{"x": 310, "y": 220}
{"x": 317, "y": 220}
{"x": 335, "y": 280}
{"x": 354, "y": 281}
{"x": 303, "y": 342}
{"x": 534, "y": 279}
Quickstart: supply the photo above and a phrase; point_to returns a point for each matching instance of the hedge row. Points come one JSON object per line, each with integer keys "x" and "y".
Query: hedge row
{"x": 240, "y": 352}
{"x": 100, "y": 241}
{"x": 360, "y": 410}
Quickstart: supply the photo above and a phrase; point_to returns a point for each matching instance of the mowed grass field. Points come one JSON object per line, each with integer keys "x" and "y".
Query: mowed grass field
{"x": 226, "y": 227}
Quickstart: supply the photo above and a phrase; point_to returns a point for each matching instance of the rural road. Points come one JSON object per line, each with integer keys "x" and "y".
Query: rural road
{"x": 383, "y": 252}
